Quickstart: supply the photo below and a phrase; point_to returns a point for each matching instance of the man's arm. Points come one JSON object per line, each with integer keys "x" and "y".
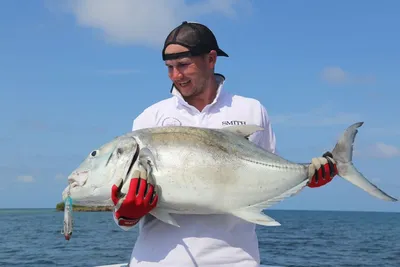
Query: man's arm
{"x": 265, "y": 139}
{"x": 147, "y": 119}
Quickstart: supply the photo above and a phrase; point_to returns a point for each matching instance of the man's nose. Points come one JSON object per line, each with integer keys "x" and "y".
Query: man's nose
{"x": 176, "y": 74}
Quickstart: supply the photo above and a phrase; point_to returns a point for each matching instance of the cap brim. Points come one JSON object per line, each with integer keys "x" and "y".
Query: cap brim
{"x": 221, "y": 53}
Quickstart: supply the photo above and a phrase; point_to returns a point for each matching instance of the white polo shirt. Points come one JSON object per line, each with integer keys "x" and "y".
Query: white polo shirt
{"x": 202, "y": 240}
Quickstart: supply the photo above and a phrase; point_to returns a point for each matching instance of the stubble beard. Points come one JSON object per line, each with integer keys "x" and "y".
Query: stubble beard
{"x": 196, "y": 90}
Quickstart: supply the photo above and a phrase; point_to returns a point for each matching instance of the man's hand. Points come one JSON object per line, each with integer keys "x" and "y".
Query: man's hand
{"x": 140, "y": 199}
{"x": 322, "y": 170}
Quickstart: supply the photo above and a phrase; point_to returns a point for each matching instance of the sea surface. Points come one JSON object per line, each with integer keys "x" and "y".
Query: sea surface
{"x": 32, "y": 237}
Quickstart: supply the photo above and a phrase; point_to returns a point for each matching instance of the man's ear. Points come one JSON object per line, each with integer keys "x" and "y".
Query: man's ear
{"x": 212, "y": 58}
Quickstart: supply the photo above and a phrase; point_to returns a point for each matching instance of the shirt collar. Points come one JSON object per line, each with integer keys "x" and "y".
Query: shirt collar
{"x": 180, "y": 101}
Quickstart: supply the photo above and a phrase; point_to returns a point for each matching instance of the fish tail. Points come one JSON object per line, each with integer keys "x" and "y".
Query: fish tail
{"x": 343, "y": 155}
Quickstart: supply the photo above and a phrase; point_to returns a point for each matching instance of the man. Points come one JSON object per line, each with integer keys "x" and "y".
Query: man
{"x": 198, "y": 99}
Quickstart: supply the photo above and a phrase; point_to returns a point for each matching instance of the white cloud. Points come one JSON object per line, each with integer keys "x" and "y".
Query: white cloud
{"x": 336, "y": 75}
{"x": 385, "y": 151}
{"x": 389, "y": 131}
{"x": 52, "y": 126}
{"x": 118, "y": 71}
{"x": 379, "y": 150}
{"x": 25, "y": 178}
{"x": 60, "y": 176}
{"x": 316, "y": 117}
{"x": 145, "y": 22}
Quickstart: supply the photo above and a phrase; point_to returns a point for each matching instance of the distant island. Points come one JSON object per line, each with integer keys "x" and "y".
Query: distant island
{"x": 60, "y": 207}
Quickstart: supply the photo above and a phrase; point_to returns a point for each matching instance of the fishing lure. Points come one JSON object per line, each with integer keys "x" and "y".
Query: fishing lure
{"x": 68, "y": 221}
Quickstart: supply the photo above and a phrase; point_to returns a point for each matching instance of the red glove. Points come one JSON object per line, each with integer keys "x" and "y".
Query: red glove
{"x": 139, "y": 201}
{"x": 322, "y": 170}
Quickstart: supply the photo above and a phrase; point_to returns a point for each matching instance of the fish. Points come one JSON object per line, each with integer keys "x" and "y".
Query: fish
{"x": 199, "y": 170}
{"x": 68, "y": 221}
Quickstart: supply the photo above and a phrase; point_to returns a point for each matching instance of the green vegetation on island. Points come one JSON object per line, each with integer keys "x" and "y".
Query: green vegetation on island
{"x": 60, "y": 207}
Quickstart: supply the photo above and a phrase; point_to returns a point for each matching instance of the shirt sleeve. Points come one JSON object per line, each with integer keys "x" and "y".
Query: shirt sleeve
{"x": 266, "y": 138}
{"x": 146, "y": 119}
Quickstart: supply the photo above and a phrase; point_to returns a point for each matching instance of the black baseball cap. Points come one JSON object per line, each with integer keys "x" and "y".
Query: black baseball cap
{"x": 196, "y": 37}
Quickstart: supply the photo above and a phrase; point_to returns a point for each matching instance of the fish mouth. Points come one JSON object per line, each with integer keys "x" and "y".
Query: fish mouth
{"x": 73, "y": 181}
{"x": 76, "y": 179}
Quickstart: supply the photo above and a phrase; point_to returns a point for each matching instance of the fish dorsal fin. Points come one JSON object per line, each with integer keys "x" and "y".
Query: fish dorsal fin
{"x": 243, "y": 130}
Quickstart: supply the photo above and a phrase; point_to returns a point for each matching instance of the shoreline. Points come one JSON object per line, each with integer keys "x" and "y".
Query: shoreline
{"x": 60, "y": 207}
{"x": 109, "y": 208}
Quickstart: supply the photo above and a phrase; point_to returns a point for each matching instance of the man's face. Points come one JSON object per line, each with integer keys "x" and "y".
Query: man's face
{"x": 190, "y": 75}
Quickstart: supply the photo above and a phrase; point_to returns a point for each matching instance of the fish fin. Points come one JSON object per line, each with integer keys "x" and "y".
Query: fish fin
{"x": 146, "y": 157}
{"x": 164, "y": 216}
{"x": 254, "y": 215}
{"x": 145, "y": 160}
{"x": 343, "y": 154}
{"x": 243, "y": 130}
{"x": 289, "y": 193}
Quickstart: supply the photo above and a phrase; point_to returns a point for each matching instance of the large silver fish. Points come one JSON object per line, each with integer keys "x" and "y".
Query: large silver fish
{"x": 205, "y": 171}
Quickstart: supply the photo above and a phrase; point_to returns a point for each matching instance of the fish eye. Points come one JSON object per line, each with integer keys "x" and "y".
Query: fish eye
{"x": 94, "y": 153}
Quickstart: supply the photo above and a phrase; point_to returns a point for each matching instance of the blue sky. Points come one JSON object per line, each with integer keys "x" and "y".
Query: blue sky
{"x": 74, "y": 75}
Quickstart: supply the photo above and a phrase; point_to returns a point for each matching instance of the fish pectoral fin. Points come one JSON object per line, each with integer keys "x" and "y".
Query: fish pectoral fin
{"x": 243, "y": 130}
{"x": 164, "y": 216}
{"x": 146, "y": 158}
{"x": 255, "y": 216}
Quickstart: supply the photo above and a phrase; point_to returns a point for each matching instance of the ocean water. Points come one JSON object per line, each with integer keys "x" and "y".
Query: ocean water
{"x": 306, "y": 238}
